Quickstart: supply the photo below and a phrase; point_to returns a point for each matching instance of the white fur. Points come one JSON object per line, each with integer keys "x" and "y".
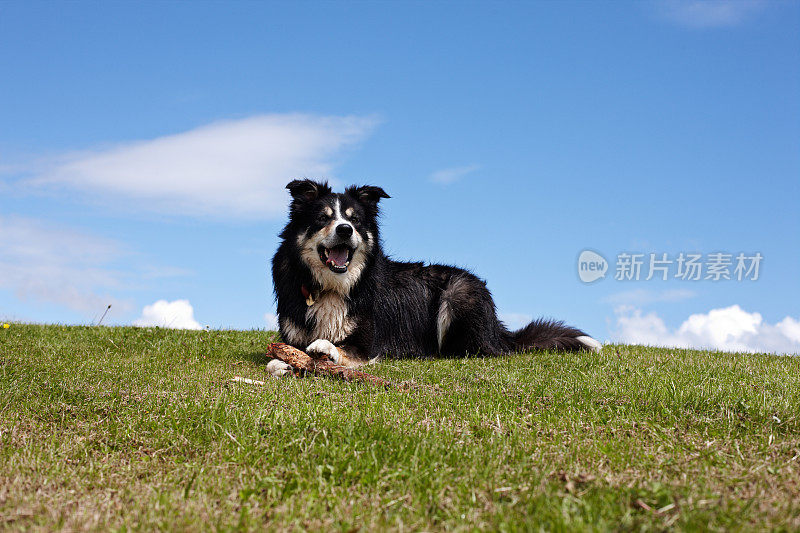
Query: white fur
{"x": 337, "y": 208}
{"x": 443, "y": 319}
{"x": 590, "y": 343}
{"x": 329, "y": 316}
{"x": 294, "y": 334}
{"x": 331, "y": 322}
{"x": 322, "y": 346}
{"x": 278, "y": 368}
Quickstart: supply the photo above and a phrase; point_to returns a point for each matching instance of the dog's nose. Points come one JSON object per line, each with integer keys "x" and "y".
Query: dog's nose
{"x": 344, "y": 230}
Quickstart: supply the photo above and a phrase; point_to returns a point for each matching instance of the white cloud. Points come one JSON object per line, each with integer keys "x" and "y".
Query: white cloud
{"x": 730, "y": 329}
{"x": 515, "y": 321}
{"x": 708, "y": 13}
{"x": 272, "y": 321}
{"x": 177, "y": 314}
{"x": 235, "y": 168}
{"x": 50, "y": 263}
{"x": 450, "y": 175}
{"x": 789, "y": 328}
{"x": 645, "y": 296}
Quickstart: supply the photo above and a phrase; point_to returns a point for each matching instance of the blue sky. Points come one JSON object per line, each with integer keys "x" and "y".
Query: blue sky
{"x": 144, "y": 149}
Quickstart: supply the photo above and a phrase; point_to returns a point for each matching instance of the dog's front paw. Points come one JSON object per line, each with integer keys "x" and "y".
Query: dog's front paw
{"x": 278, "y": 368}
{"x": 325, "y": 348}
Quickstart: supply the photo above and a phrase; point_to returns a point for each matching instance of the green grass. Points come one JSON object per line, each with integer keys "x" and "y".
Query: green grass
{"x": 139, "y": 429}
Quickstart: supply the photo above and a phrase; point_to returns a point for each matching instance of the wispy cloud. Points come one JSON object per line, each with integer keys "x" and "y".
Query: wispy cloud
{"x": 645, "y": 296}
{"x": 178, "y": 314}
{"x": 701, "y": 14}
{"x": 235, "y": 168}
{"x": 729, "y": 329}
{"x": 447, "y": 176}
{"x": 48, "y": 263}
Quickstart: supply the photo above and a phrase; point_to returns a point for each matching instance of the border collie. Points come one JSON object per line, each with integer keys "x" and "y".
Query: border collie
{"x": 341, "y": 297}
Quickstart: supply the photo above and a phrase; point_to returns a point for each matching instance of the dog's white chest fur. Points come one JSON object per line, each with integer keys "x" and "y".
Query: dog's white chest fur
{"x": 329, "y": 314}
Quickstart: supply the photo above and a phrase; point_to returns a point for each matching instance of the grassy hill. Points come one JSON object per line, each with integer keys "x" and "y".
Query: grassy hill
{"x": 109, "y": 428}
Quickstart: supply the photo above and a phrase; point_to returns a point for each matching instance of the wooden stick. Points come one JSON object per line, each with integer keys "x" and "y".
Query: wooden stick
{"x": 248, "y": 381}
{"x": 299, "y": 360}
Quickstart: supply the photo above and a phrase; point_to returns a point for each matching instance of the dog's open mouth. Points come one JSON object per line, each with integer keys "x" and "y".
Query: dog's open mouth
{"x": 337, "y": 258}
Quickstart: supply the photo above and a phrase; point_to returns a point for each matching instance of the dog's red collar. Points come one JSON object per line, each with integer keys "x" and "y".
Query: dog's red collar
{"x": 309, "y": 297}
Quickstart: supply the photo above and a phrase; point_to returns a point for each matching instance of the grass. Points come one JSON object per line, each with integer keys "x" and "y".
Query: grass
{"x": 139, "y": 429}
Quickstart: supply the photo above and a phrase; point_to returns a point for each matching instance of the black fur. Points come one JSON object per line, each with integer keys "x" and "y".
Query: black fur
{"x": 393, "y": 306}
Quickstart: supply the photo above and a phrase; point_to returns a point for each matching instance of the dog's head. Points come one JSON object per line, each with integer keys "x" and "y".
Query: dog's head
{"x": 335, "y": 233}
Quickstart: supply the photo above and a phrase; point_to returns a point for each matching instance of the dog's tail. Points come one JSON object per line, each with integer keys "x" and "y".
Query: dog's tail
{"x": 543, "y": 334}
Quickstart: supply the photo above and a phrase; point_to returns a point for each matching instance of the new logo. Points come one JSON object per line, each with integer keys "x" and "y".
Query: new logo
{"x": 591, "y": 266}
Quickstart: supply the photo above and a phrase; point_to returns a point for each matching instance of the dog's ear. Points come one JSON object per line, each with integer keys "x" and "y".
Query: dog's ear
{"x": 308, "y": 190}
{"x": 368, "y": 194}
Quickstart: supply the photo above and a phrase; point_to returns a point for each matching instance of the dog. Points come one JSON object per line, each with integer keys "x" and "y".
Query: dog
{"x": 339, "y": 296}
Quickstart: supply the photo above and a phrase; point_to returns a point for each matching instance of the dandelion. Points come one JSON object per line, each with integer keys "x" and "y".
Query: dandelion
{"x": 6, "y": 326}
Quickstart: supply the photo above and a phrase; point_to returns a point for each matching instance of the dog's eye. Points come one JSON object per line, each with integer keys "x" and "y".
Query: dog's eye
{"x": 322, "y": 218}
{"x": 355, "y": 219}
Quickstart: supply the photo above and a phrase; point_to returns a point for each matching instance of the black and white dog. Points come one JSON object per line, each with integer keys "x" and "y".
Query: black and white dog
{"x": 339, "y": 295}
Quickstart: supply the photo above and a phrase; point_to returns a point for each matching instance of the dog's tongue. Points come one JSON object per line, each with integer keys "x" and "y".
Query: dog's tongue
{"x": 338, "y": 256}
